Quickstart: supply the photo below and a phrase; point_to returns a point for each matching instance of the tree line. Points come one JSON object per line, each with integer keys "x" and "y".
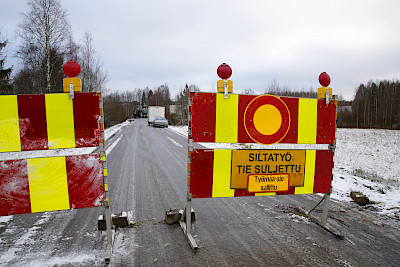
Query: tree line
{"x": 375, "y": 104}
{"x": 46, "y": 42}
{"x": 119, "y": 106}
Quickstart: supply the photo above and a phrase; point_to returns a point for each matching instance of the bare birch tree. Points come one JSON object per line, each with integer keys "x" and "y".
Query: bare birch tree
{"x": 93, "y": 76}
{"x": 44, "y": 30}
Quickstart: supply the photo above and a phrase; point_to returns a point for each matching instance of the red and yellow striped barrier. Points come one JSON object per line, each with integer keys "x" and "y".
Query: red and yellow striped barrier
{"x": 54, "y": 183}
{"x": 49, "y": 121}
{"x": 211, "y": 172}
{"x": 222, "y": 120}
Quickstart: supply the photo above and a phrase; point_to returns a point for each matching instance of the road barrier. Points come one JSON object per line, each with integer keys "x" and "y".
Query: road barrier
{"x": 58, "y": 121}
{"x": 221, "y": 120}
{"x": 214, "y": 173}
{"x": 53, "y": 183}
{"x": 43, "y": 122}
{"x": 225, "y": 117}
{"x": 49, "y": 121}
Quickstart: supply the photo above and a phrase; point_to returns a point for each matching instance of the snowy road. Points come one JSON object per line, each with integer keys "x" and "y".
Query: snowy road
{"x": 147, "y": 172}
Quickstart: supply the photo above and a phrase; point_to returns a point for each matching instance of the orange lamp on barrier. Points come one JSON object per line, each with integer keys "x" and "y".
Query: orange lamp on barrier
{"x": 324, "y": 91}
{"x": 72, "y": 69}
{"x": 224, "y": 85}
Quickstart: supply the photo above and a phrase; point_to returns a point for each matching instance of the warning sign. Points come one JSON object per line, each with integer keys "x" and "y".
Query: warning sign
{"x": 267, "y": 119}
{"x": 258, "y": 183}
{"x": 246, "y": 162}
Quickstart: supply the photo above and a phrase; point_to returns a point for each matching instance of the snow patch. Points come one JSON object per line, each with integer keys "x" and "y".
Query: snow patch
{"x": 367, "y": 161}
{"x": 25, "y": 240}
{"x": 27, "y": 237}
{"x": 298, "y": 218}
{"x": 182, "y": 130}
{"x": 98, "y": 201}
{"x": 5, "y": 219}
{"x": 83, "y": 259}
{"x": 109, "y": 132}
{"x": 174, "y": 142}
{"x": 45, "y": 218}
{"x": 111, "y": 147}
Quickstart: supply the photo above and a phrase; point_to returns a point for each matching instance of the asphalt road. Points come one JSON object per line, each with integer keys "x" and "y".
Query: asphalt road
{"x": 147, "y": 176}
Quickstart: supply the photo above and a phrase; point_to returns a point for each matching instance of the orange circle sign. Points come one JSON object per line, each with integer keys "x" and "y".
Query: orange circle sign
{"x": 267, "y": 119}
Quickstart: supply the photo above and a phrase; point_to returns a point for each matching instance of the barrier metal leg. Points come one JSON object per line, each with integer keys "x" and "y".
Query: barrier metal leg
{"x": 325, "y": 209}
{"x": 107, "y": 214}
{"x": 323, "y": 223}
{"x": 186, "y": 219}
{"x": 186, "y": 225}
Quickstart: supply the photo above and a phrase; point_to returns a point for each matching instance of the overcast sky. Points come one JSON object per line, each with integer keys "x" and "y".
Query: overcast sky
{"x": 152, "y": 42}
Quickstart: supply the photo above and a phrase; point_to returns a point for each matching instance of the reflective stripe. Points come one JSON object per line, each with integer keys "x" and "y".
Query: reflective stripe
{"x": 106, "y": 187}
{"x": 222, "y": 174}
{"x": 9, "y": 124}
{"x": 308, "y": 187}
{"x": 307, "y": 122}
{"x": 226, "y": 122}
{"x": 60, "y": 121}
{"x": 48, "y": 184}
{"x": 105, "y": 172}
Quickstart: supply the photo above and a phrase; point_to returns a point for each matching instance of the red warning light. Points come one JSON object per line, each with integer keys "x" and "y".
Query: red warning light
{"x": 224, "y": 71}
{"x": 324, "y": 79}
{"x": 71, "y": 68}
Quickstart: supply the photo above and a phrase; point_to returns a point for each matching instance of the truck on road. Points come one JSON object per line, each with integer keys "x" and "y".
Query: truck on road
{"x": 140, "y": 113}
{"x": 153, "y": 112}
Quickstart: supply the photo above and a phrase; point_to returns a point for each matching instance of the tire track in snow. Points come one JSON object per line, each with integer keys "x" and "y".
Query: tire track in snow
{"x": 25, "y": 240}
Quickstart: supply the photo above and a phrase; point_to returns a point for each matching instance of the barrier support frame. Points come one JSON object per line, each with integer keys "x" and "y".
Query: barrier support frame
{"x": 186, "y": 218}
{"x": 326, "y": 198}
{"x": 107, "y": 210}
{"x": 185, "y": 221}
{"x": 323, "y": 222}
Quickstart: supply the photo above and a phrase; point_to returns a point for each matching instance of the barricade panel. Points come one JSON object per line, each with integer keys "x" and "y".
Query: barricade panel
{"x": 53, "y": 183}
{"x": 9, "y": 124}
{"x": 211, "y": 174}
{"x": 32, "y": 122}
{"x": 220, "y": 120}
{"x": 49, "y": 121}
{"x": 85, "y": 181}
{"x": 86, "y": 120}
{"x": 14, "y": 187}
{"x": 224, "y": 117}
{"x": 60, "y": 121}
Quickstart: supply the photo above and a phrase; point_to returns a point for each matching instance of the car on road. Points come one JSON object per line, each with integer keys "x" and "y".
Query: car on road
{"x": 160, "y": 122}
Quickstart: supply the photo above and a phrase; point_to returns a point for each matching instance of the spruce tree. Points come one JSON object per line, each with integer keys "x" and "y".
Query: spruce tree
{"x": 5, "y": 81}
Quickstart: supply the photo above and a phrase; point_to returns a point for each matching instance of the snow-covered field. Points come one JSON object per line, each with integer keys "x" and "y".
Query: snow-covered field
{"x": 367, "y": 161}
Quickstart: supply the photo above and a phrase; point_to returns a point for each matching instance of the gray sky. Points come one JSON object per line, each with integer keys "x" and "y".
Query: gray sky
{"x": 152, "y": 42}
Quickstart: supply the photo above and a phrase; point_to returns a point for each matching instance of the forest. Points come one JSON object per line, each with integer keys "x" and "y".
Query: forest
{"x": 376, "y": 105}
